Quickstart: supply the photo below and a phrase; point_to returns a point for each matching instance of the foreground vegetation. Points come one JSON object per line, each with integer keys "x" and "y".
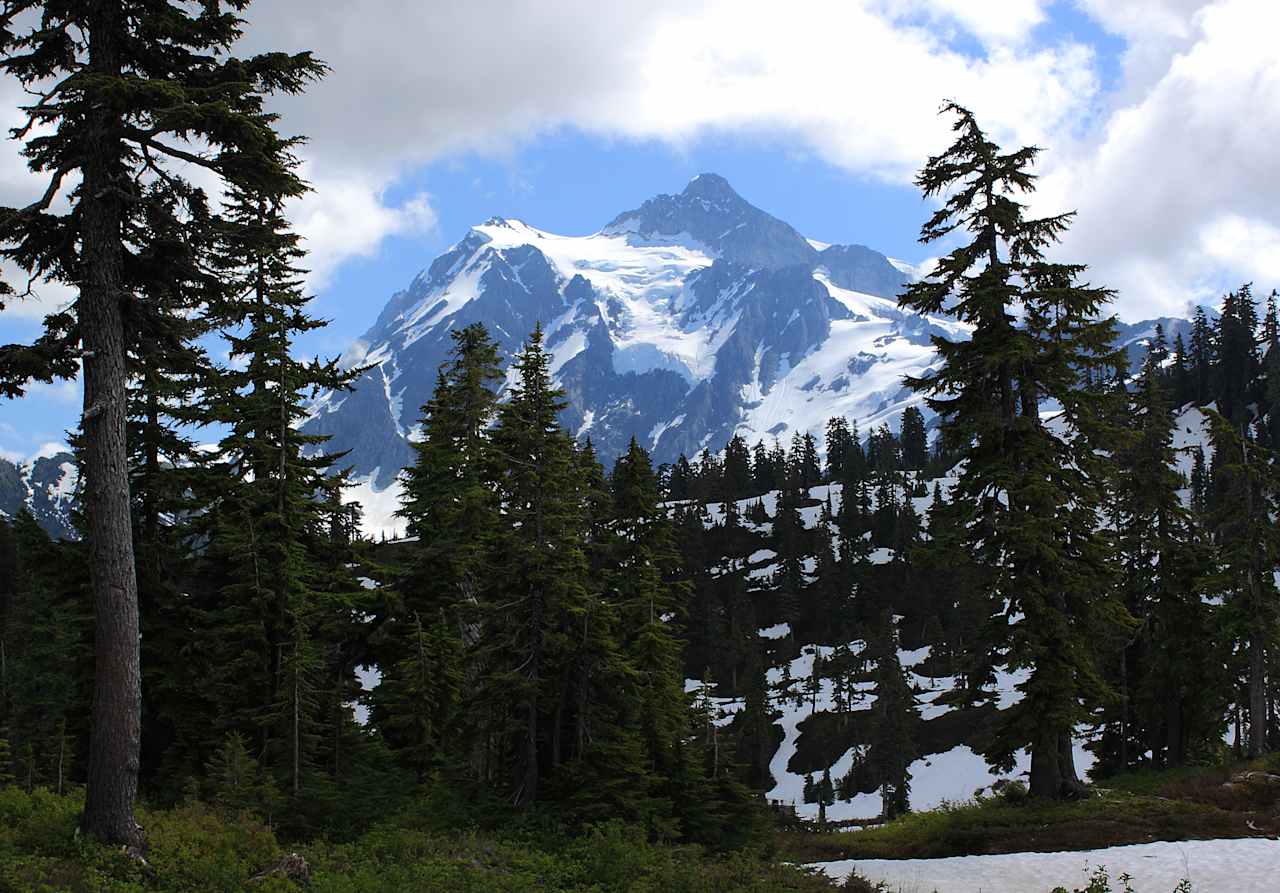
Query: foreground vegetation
{"x": 196, "y": 847}
{"x": 1188, "y": 803}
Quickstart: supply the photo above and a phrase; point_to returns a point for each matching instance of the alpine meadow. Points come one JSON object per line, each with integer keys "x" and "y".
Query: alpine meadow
{"x": 687, "y": 554}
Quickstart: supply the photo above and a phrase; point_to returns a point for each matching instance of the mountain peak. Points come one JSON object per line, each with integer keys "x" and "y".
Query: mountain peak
{"x": 712, "y": 187}
{"x": 729, "y": 226}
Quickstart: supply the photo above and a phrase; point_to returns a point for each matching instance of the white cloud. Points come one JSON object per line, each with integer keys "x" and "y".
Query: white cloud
{"x": 1178, "y": 196}
{"x": 1010, "y": 21}
{"x": 1250, "y": 247}
{"x": 345, "y": 217}
{"x": 1172, "y": 171}
{"x": 49, "y": 450}
{"x": 64, "y": 391}
{"x": 857, "y": 81}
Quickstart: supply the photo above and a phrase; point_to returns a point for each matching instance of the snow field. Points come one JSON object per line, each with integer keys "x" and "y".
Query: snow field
{"x": 1212, "y": 866}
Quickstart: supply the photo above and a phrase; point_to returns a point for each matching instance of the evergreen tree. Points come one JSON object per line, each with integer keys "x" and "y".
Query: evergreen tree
{"x": 46, "y": 642}
{"x": 449, "y": 501}
{"x": 1163, "y": 667}
{"x": 1203, "y": 357}
{"x": 642, "y": 567}
{"x": 895, "y": 719}
{"x": 1179, "y": 374}
{"x": 269, "y": 528}
{"x": 1247, "y": 551}
{"x": 806, "y": 460}
{"x": 1032, "y": 490}
{"x": 1237, "y": 358}
{"x": 915, "y": 446}
{"x": 1269, "y": 389}
{"x": 418, "y": 699}
{"x": 738, "y": 482}
{"x": 543, "y": 595}
{"x": 132, "y": 82}
{"x": 839, "y": 444}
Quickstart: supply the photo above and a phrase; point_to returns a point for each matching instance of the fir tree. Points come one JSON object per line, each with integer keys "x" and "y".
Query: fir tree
{"x": 449, "y": 500}
{"x": 280, "y": 598}
{"x": 839, "y": 444}
{"x": 915, "y": 446}
{"x": 543, "y": 593}
{"x": 1033, "y": 490}
{"x": 895, "y": 718}
{"x": 642, "y": 566}
{"x": 1247, "y": 551}
{"x": 417, "y": 702}
{"x": 132, "y": 82}
{"x": 1237, "y": 355}
{"x": 1203, "y": 358}
{"x": 738, "y": 481}
{"x": 1162, "y": 666}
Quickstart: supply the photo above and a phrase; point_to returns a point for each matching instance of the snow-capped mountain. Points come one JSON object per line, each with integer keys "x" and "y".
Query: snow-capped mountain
{"x": 681, "y": 322}
{"x": 46, "y": 486}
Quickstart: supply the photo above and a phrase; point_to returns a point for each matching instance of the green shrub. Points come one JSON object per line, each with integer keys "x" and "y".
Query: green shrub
{"x": 194, "y": 847}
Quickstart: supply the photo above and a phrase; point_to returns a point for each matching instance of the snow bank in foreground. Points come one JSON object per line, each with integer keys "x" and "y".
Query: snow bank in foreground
{"x": 1212, "y": 866}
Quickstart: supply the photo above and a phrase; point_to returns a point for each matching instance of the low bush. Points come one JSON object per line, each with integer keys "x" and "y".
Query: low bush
{"x": 438, "y": 845}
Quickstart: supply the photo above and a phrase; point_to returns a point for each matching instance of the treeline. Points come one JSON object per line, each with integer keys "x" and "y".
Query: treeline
{"x": 739, "y": 471}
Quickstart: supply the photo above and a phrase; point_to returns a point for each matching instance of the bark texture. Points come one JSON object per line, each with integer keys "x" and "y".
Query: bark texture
{"x": 117, "y": 685}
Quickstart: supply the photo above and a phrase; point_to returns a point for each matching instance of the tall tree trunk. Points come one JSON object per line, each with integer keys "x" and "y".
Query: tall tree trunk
{"x": 1070, "y": 785}
{"x": 1257, "y": 692}
{"x": 117, "y": 685}
{"x": 1173, "y": 727}
{"x": 1046, "y": 776}
{"x": 1124, "y": 709}
{"x": 527, "y": 781}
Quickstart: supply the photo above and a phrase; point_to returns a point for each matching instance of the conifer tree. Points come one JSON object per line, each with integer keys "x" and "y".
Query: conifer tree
{"x": 738, "y": 481}
{"x": 418, "y": 699}
{"x": 121, "y": 87}
{"x": 1203, "y": 357}
{"x": 449, "y": 500}
{"x": 1237, "y": 356}
{"x": 915, "y": 446}
{"x": 1247, "y": 551}
{"x": 1163, "y": 667}
{"x": 681, "y": 479}
{"x": 642, "y": 565}
{"x": 270, "y": 525}
{"x": 895, "y": 719}
{"x": 46, "y": 645}
{"x": 1027, "y": 493}
{"x": 543, "y": 593}
{"x": 839, "y": 443}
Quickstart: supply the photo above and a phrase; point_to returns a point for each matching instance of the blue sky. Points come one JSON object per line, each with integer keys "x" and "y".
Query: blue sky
{"x": 566, "y": 113}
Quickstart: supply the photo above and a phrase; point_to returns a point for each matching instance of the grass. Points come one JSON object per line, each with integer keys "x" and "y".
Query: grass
{"x": 1182, "y": 804}
{"x": 194, "y": 848}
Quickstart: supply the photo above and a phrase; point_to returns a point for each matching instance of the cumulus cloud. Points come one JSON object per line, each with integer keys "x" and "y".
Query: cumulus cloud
{"x": 860, "y": 80}
{"x": 856, "y": 81}
{"x": 1171, "y": 170}
{"x": 346, "y": 217}
{"x": 1178, "y": 196}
